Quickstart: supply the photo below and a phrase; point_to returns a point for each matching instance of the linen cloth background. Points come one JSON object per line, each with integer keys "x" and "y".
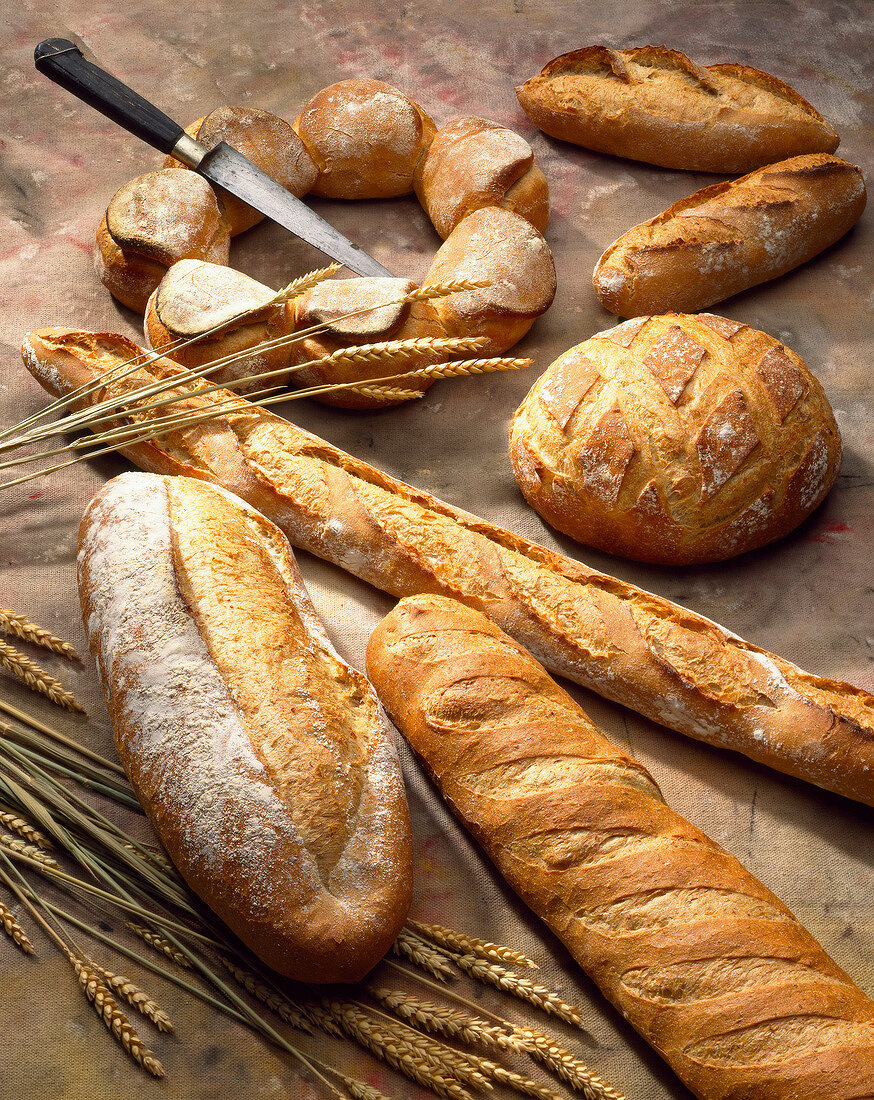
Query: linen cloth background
{"x": 808, "y": 598}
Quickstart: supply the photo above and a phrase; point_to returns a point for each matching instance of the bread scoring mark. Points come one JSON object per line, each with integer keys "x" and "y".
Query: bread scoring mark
{"x": 783, "y": 382}
{"x": 330, "y": 302}
{"x": 725, "y": 326}
{"x": 673, "y": 359}
{"x": 565, "y": 385}
{"x": 727, "y": 437}
{"x": 623, "y": 334}
{"x": 605, "y": 455}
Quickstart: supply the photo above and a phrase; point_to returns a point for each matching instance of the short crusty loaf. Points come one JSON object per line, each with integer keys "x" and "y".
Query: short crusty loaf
{"x": 656, "y": 105}
{"x": 472, "y": 163}
{"x": 670, "y": 664}
{"x": 697, "y": 954}
{"x": 731, "y": 236}
{"x": 258, "y": 754}
{"x": 676, "y": 439}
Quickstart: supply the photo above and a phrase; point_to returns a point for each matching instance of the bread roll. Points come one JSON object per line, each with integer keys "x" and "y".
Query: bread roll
{"x": 710, "y": 967}
{"x": 731, "y": 236}
{"x": 258, "y": 754}
{"x": 365, "y": 138}
{"x": 150, "y": 224}
{"x": 472, "y": 163}
{"x": 503, "y": 247}
{"x": 628, "y": 645}
{"x": 329, "y": 304}
{"x": 268, "y": 141}
{"x": 195, "y": 297}
{"x": 656, "y": 105}
{"x": 676, "y": 439}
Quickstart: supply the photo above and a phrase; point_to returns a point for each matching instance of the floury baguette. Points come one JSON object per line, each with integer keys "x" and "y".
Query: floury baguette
{"x": 699, "y": 956}
{"x": 628, "y": 645}
{"x": 259, "y": 755}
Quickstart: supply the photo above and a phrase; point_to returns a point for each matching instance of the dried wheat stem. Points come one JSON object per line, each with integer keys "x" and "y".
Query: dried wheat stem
{"x": 25, "y": 829}
{"x": 262, "y": 992}
{"x": 399, "y": 1054}
{"x": 60, "y": 738}
{"x": 37, "y": 679}
{"x": 130, "y": 992}
{"x": 17, "y": 844}
{"x": 454, "y": 1023}
{"x": 545, "y": 1050}
{"x": 30, "y": 632}
{"x": 523, "y": 988}
{"x": 159, "y": 943}
{"x": 106, "y": 1008}
{"x": 417, "y": 951}
{"x": 462, "y": 944}
{"x": 14, "y": 930}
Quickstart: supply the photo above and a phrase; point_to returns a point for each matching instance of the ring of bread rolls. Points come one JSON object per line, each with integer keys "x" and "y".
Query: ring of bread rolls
{"x": 355, "y": 139}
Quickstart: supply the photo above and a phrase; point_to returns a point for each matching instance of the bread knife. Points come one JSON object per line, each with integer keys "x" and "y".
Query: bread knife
{"x": 63, "y": 62}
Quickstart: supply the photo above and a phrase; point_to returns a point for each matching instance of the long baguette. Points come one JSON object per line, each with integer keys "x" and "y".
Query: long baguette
{"x": 628, "y": 645}
{"x": 699, "y": 956}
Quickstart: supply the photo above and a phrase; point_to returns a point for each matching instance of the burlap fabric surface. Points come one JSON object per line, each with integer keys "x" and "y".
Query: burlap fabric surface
{"x": 807, "y": 598}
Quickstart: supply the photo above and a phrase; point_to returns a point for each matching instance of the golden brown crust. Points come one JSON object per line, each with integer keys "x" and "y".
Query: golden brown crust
{"x": 731, "y": 236}
{"x": 365, "y": 138}
{"x": 676, "y": 439}
{"x": 258, "y": 754}
{"x": 628, "y": 645}
{"x": 700, "y": 957}
{"x": 657, "y": 105}
{"x": 472, "y": 163}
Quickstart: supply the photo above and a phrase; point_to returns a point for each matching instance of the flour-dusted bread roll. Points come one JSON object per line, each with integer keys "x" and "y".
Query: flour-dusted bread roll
{"x": 500, "y": 246}
{"x": 150, "y": 224}
{"x": 268, "y": 141}
{"x": 676, "y": 439}
{"x": 473, "y": 163}
{"x": 349, "y": 312}
{"x": 258, "y": 754}
{"x": 711, "y": 968}
{"x": 731, "y": 236}
{"x": 196, "y": 297}
{"x": 365, "y": 138}
{"x": 656, "y": 105}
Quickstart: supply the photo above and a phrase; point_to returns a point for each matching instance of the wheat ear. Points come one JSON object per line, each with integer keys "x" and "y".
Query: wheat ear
{"x": 14, "y": 930}
{"x": 302, "y": 284}
{"x": 409, "y": 946}
{"x": 17, "y": 844}
{"x": 462, "y": 944}
{"x": 158, "y": 943}
{"x": 564, "y": 1065}
{"x": 262, "y": 992}
{"x": 37, "y": 679}
{"x": 359, "y": 1091}
{"x": 454, "y": 1023}
{"x": 30, "y": 632}
{"x": 526, "y": 990}
{"x": 116, "y": 1021}
{"x": 25, "y": 830}
{"x": 130, "y": 992}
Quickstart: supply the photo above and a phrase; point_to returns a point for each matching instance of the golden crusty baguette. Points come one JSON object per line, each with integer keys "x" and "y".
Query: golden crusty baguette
{"x": 628, "y": 645}
{"x": 710, "y": 967}
{"x": 657, "y": 105}
{"x": 259, "y": 754}
{"x": 731, "y": 236}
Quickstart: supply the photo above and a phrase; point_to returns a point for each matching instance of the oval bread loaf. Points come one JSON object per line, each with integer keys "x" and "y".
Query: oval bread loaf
{"x": 700, "y": 957}
{"x": 656, "y": 105}
{"x": 731, "y": 236}
{"x": 676, "y": 439}
{"x": 258, "y": 754}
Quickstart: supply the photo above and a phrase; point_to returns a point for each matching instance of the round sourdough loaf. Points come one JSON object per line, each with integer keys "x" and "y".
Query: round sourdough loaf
{"x": 676, "y": 439}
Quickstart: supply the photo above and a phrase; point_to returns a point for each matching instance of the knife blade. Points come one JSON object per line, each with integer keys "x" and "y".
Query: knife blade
{"x": 63, "y": 62}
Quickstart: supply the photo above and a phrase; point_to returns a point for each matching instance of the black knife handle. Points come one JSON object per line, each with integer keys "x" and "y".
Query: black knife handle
{"x": 62, "y": 61}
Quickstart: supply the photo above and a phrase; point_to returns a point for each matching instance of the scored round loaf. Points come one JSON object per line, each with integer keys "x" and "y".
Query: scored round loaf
{"x": 258, "y": 754}
{"x": 268, "y": 141}
{"x": 365, "y": 138}
{"x": 238, "y": 313}
{"x": 730, "y": 236}
{"x": 502, "y": 247}
{"x": 472, "y": 163}
{"x": 656, "y": 105}
{"x": 151, "y": 223}
{"x": 350, "y": 312}
{"x": 676, "y": 439}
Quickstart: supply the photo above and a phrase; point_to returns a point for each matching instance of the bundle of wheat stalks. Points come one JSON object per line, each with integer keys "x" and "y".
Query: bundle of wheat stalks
{"x": 427, "y": 1031}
